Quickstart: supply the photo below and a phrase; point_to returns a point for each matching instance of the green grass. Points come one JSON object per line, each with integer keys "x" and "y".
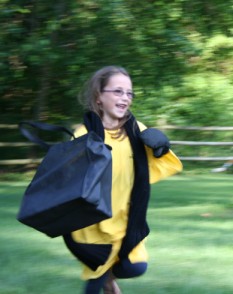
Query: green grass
{"x": 190, "y": 245}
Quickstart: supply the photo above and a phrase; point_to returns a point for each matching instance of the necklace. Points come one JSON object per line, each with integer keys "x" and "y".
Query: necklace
{"x": 111, "y": 126}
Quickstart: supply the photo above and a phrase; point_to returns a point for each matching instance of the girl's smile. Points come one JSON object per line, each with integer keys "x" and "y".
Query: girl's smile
{"x": 115, "y": 99}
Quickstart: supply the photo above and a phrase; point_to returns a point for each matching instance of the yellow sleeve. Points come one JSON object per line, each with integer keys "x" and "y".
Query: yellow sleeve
{"x": 159, "y": 168}
{"x": 79, "y": 131}
{"x": 163, "y": 167}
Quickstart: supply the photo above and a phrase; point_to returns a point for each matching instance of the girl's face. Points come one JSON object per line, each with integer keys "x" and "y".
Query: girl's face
{"x": 115, "y": 99}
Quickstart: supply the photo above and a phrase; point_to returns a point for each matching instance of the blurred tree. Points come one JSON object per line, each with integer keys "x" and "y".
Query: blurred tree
{"x": 179, "y": 53}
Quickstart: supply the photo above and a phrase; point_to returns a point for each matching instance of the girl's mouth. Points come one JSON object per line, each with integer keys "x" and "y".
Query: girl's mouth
{"x": 121, "y": 106}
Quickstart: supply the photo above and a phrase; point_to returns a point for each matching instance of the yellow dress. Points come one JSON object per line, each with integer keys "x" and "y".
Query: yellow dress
{"x": 112, "y": 231}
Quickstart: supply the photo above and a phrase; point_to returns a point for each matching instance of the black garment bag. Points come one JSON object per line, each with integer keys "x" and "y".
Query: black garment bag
{"x": 71, "y": 188}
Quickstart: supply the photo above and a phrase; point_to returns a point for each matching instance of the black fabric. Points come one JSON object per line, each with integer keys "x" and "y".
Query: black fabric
{"x": 71, "y": 188}
{"x": 95, "y": 286}
{"x": 124, "y": 269}
{"x": 137, "y": 228}
{"x": 156, "y": 140}
{"x": 93, "y": 255}
{"x": 93, "y": 123}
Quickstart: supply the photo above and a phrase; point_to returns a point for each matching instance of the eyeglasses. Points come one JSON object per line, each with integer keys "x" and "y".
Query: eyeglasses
{"x": 120, "y": 93}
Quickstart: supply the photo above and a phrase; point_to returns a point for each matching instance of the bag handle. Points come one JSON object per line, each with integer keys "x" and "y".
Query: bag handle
{"x": 31, "y": 136}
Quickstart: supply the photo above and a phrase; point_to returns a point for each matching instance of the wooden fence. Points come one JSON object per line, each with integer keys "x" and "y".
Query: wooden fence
{"x": 201, "y": 143}
{"x": 187, "y": 143}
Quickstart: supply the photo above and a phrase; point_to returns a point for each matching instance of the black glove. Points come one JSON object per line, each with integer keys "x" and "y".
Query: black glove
{"x": 156, "y": 140}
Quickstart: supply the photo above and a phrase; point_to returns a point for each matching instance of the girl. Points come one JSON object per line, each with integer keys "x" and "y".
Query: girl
{"x": 115, "y": 248}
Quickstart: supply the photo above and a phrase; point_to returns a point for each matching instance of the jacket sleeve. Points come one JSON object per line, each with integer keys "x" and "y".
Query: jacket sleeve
{"x": 163, "y": 167}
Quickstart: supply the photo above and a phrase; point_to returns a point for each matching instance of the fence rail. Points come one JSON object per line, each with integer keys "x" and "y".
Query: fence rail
{"x": 3, "y": 126}
{"x": 187, "y": 143}
{"x": 194, "y": 143}
{"x": 168, "y": 127}
{"x": 196, "y": 158}
{"x": 20, "y": 161}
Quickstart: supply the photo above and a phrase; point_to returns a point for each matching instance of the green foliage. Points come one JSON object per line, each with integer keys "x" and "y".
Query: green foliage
{"x": 179, "y": 53}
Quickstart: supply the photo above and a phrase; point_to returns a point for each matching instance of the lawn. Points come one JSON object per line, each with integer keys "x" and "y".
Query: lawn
{"x": 190, "y": 245}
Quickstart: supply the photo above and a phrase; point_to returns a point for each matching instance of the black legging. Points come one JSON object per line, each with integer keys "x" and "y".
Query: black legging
{"x": 122, "y": 270}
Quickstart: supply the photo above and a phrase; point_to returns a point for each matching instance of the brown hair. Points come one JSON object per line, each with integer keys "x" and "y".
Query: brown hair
{"x": 95, "y": 86}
